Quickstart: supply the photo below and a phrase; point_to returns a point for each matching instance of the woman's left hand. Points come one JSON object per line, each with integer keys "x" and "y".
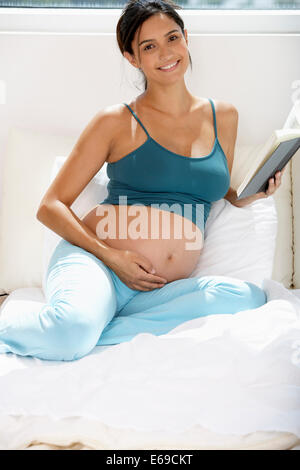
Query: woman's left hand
{"x": 272, "y": 187}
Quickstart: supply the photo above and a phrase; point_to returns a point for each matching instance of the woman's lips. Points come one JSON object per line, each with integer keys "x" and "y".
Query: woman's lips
{"x": 170, "y": 69}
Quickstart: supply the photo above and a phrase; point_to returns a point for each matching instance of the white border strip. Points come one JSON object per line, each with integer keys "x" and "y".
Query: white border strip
{"x": 70, "y": 20}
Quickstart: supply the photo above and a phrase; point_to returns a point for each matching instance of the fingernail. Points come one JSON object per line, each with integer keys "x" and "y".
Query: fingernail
{"x": 153, "y": 271}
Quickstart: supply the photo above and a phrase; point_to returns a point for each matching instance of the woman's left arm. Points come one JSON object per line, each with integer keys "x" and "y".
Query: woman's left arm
{"x": 274, "y": 184}
{"x": 231, "y": 126}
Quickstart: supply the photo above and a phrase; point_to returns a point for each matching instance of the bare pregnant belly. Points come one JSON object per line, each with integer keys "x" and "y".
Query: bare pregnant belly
{"x": 171, "y": 242}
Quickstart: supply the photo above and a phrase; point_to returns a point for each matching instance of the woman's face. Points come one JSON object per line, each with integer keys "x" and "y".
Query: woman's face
{"x": 160, "y": 42}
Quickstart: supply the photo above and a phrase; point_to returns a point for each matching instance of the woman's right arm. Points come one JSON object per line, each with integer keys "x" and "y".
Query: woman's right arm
{"x": 87, "y": 157}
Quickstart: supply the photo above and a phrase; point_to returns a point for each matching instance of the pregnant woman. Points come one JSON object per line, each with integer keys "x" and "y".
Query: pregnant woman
{"x": 123, "y": 269}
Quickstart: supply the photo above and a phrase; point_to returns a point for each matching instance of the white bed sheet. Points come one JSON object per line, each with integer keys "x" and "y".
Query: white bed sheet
{"x": 222, "y": 381}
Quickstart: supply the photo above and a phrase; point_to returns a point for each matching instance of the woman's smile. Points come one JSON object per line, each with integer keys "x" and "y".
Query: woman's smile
{"x": 170, "y": 69}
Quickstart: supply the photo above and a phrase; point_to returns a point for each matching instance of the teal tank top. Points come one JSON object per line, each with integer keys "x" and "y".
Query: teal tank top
{"x": 152, "y": 175}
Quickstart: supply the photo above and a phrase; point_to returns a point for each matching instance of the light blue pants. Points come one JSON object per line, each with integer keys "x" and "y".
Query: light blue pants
{"x": 88, "y": 305}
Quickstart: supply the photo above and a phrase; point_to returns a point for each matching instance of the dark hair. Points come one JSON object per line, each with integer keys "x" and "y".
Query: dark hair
{"x": 133, "y": 16}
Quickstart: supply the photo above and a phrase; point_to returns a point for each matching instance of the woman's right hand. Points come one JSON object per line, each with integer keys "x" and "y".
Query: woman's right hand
{"x": 135, "y": 270}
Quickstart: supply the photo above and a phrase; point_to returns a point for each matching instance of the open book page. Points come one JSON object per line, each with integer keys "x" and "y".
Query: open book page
{"x": 263, "y": 152}
{"x": 260, "y": 154}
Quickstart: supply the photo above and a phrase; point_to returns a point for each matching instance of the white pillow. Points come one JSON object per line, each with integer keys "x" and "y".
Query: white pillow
{"x": 27, "y": 162}
{"x": 239, "y": 242}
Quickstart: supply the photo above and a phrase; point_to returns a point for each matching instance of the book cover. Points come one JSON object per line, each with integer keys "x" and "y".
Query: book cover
{"x": 273, "y": 155}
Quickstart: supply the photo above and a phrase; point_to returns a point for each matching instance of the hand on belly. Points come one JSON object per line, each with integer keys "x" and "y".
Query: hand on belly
{"x": 156, "y": 234}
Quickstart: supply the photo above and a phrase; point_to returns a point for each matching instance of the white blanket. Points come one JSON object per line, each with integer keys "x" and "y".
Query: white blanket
{"x": 221, "y": 375}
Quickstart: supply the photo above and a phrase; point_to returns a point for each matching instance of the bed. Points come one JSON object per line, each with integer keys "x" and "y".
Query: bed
{"x": 218, "y": 382}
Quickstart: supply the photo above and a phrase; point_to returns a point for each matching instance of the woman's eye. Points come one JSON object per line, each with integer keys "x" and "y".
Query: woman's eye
{"x": 146, "y": 48}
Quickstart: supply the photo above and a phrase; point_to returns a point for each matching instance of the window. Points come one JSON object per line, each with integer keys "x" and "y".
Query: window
{"x": 200, "y": 16}
{"x": 186, "y": 4}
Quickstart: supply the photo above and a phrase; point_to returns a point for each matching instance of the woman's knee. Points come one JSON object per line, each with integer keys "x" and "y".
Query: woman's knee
{"x": 79, "y": 340}
{"x": 234, "y": 294}
{"x": 255, "y": 296}
{"x": 68, "y": 333}
{"x": 246, "y": 294}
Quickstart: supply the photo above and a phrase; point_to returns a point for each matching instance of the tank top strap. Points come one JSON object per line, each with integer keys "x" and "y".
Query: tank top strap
{"x": 138, "y": 120}
{"x": 214, "y": 114}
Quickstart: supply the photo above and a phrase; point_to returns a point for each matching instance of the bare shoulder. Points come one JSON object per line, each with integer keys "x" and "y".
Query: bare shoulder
{"x": 107, "y": 123}
{"x": 108, "y": 117}
{"x": 227, "y": 119}
{"x": 227, "y": 127}
{"x": 114, "y": 115}
{"x": 226, "y": 110}
{"x": 87, "y": 157}
{"x": 226, "y": 113}
{"x": 114, "y": 112}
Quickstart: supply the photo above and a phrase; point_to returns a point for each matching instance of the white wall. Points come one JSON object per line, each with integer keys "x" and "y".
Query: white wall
{"x": 56, "y": 82}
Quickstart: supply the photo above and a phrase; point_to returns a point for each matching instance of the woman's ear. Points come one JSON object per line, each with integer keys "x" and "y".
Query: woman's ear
{"x": 185, "y": 35}
{"x": 130, "y": 59}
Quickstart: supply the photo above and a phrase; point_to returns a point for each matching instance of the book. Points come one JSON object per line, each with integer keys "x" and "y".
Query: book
{"x": 272, "y": 156}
